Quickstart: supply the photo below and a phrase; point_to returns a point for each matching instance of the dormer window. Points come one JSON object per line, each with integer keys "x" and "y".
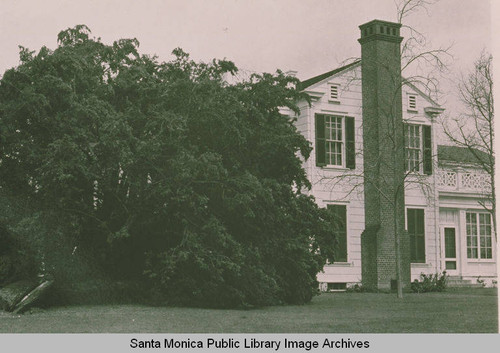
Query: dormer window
{"x": 412, "y": 102}
{"x": 334, "y": 92}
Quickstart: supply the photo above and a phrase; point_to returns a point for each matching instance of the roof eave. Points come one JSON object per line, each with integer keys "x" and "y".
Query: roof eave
{"x": 325, "y": 76}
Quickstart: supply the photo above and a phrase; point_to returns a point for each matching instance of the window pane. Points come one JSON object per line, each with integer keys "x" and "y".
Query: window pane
{"x": 449, "y": 242}
{"x": 451, "y": 265}
{"x": 471, "y": 253}
{"x": 338, "y": 128}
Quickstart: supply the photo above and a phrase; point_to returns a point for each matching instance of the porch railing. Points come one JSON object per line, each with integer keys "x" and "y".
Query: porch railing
{"x": 463, "y": 180}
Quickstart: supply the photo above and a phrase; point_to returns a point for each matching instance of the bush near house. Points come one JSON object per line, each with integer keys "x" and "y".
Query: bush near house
{"x": 160, "y": 173}
{"x": 429, "y": 283}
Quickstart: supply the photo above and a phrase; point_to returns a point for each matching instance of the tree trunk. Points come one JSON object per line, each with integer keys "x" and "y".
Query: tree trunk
{"x": 397, "y": 241}
{"x": 32, "y": 297}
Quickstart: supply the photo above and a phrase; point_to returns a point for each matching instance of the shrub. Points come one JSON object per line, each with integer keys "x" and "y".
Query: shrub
{"x": 430, "y": 283}
{"x": 356, "y": 288}
{"x": 480, "y": 281}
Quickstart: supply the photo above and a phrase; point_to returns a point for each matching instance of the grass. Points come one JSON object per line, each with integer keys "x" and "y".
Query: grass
{"x": 454, "y": 311}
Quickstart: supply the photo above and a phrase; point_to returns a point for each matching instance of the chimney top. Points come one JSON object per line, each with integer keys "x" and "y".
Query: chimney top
{"x": 382, "y": 30}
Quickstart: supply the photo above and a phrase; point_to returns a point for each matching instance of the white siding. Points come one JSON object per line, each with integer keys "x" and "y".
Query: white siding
{"x": 340, "y": 185}
{"x": 331, "y": 185}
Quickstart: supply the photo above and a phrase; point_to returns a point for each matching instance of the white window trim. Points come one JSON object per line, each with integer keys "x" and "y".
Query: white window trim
{"x": 343, "y": 149}
{"x": 478, "y": 237}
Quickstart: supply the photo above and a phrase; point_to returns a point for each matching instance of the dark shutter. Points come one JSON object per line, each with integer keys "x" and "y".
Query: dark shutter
{"x": 320, "y": 140}
{"x": 350, "y": 153}
{"x": 405, "y": 144}
{"x": 426, "y": 130}
{"x": 340, "y": 227}
{"x": 416, "y": 230}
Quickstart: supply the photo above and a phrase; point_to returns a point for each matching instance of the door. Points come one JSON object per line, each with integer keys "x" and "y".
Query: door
{"x": 450, "y": 251}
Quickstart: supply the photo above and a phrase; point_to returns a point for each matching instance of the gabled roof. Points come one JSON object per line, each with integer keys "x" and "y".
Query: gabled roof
{"x": 311, "y": 81}
{"x": 418, "y": 90}
{"x": 456, "y": 154}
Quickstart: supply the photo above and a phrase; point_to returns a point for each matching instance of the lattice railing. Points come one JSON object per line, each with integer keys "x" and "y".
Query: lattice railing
{"x": 447, "y": 179}
{"x": 463, "y": 180}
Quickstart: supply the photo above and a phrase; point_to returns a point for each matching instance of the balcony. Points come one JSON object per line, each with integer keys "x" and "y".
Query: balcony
{"x": 468, "y": 181}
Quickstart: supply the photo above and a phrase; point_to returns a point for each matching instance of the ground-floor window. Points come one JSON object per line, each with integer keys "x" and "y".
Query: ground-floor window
{"x": 416, "y": 230}
{"x": 478, "y": 230}
{"x": 340, "y": 226}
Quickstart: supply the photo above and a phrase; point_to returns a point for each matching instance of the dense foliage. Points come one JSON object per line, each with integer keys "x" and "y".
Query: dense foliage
{"x": 430, "y": 283}
{"x": 160, "y": 172}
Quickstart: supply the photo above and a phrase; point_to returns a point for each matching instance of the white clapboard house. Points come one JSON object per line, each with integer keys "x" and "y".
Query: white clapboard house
{"x": 445, "y": 225}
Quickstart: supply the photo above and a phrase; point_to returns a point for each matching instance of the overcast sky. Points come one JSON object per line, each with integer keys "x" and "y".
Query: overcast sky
{"x": 309, "y": 36}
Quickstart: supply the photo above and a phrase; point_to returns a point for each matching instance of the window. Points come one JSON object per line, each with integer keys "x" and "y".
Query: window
{"x": 334, "y": 92}
{"x": 478, "y": 229}
{"x": 416, "y": 230}
{"x": 335, "y": 141}
{"x": 418, "y": 148}
{"x": 340, "y": 225}
{"x": 336, "y": 286}
{"x": 412, "y": 102}
{"x": 413, "y": 148}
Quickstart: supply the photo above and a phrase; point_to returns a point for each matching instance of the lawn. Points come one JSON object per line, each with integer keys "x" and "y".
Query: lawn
{"x": 464, "y": 310}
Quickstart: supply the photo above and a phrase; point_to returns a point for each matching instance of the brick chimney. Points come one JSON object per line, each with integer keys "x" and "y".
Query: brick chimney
{"x": 383, "y": 156}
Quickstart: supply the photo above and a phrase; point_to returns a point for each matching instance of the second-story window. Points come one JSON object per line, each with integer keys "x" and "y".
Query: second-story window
{"x": 418, "y": 148}
{"x": 335, "y": 141}
{"x": 413, "y": 148}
